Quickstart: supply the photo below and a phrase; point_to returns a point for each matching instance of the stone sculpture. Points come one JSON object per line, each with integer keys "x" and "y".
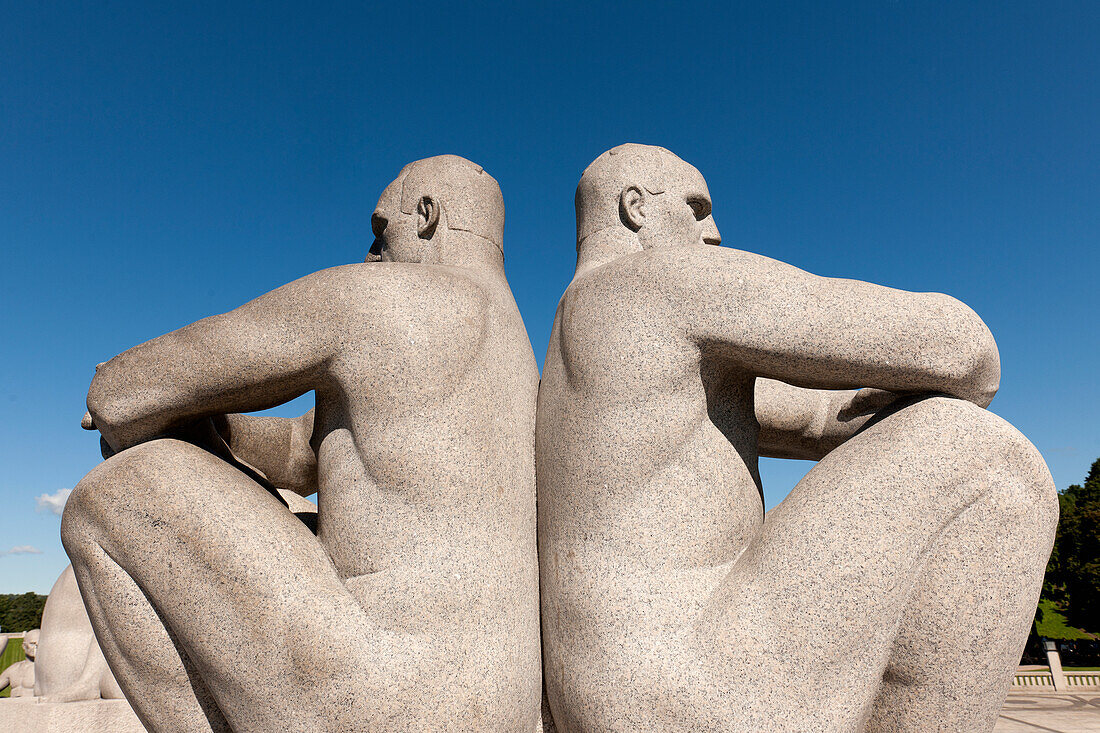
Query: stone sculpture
{"x": 892, "y": 590}
{"x": 415, "y": 605}
{"x": 69, "y": 665}
{"x": 20, "y": 676}
{"x": 68, "y": 688}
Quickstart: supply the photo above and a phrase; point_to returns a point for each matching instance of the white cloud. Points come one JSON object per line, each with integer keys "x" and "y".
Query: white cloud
{"x": 54, "y": 502}
{"x": 22, "y": 550}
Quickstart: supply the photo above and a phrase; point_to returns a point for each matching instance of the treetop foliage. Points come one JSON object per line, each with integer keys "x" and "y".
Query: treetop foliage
{"x": 1073, "y": 573}
{"x": 21, "y": 612}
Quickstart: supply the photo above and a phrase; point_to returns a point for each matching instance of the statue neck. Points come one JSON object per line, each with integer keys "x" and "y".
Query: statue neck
{"x": 463, "y": 249}
{"x": 601, "y": 247}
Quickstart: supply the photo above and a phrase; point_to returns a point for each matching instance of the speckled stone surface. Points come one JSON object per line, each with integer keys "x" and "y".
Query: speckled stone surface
{"x": 31, "y": 715}
{"x": 415, "y": 604}
{"x": 70, "y": 665}
{"x": 891, "y": 591}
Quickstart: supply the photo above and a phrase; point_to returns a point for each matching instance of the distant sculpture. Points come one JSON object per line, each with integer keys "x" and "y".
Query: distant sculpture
{"x": 415, "y": 605}
{"x": 892, "y": 590}
{"x": 66, "y": 685}
{"x": 69, "y": 665}
{"x": 20, "y": 676}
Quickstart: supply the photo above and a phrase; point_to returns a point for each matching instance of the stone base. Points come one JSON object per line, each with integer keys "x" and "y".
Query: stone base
{"x": 28, "y": 715}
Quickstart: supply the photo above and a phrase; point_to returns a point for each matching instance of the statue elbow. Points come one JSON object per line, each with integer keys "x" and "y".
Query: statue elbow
{"x": 981, "y": 372}
{"x": 973, "y": 363}
{"x": 111, "y": 403}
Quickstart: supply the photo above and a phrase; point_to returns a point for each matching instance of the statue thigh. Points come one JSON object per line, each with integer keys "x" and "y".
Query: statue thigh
{"x": 902, "y": 569}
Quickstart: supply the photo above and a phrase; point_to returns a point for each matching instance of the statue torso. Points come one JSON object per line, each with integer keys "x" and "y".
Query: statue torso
{"x": 426, "y": 470}
{"x": 648, "y": 485}
{"x": 21, "y": 675}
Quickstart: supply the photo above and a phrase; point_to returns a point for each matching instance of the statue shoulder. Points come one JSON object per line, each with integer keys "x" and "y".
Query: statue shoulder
{"x": 411, "y": 281}
{"x": 413, "y": 314}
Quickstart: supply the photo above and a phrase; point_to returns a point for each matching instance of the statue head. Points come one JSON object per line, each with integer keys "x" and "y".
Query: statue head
{"x": 435, "y": 207}
{"x": 645, "y": 196}
{"x": 30, "y": 643}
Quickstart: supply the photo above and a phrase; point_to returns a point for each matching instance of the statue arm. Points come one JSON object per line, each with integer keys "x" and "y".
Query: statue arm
{"x": 277, "y": 447}
{"x": 262, "y": 354}
{"x": 806, "y": 424}
{"x": 774, "y": 320}
{"x": 5, "y": 678}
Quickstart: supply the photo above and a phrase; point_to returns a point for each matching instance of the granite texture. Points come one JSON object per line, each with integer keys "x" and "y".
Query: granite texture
{"x": 20, "y": 676}
{"x": 70, "y": 665}
{"x": 31, "y": 715}
{"x": 892, "y": 590}
{"x": 414, "y": 603}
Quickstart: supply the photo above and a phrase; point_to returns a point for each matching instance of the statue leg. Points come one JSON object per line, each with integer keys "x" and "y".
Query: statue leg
{"x": 965, "y": 624}
{"x": 214, "y": 605}
{"x": 894, "y": 588}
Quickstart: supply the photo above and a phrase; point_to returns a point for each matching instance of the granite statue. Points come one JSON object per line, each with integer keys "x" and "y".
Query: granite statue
{"x": 414, "y": 603}
{"x": 892, "y": 590}
{"x": 69, "y": 665}
{"x": 68, "y": 688}
{"x": 20, "y": 676}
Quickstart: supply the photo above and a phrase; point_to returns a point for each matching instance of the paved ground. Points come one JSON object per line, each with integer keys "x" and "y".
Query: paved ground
{"x": 1032, "y": 712}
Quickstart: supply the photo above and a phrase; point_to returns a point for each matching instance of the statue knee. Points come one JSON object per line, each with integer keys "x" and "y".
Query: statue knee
{"x": 97, "y": 503}
{"x": 1017, "y": 477}
{"x": 1021, "y": 482}
{"x": 88, "y": 509}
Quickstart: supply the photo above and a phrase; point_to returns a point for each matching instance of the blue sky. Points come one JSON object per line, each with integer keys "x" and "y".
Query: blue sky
{"x": 160, "y": 164}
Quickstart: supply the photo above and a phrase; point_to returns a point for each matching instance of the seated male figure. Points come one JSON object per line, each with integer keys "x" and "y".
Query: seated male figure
{"x": 20, "y": 676}
{"x": 414, "y": 606}
{"x": 891, "y": 590}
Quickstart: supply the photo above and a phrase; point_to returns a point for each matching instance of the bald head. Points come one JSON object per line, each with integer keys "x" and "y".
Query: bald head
{"x": 649, "y": 167}
{"x": 637, "y": 197}
{"x": 440, "y": 209}
{"x": 470, "y": 197}
{"x": 30, "y": 643}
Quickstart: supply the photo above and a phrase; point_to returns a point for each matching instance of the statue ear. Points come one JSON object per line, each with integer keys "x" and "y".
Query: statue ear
{"x": 427, "y": 217}
{"x": 632, "y": 207}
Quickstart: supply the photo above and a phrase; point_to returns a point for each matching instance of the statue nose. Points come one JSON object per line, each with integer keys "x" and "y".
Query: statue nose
{"x": 710, "y": 232}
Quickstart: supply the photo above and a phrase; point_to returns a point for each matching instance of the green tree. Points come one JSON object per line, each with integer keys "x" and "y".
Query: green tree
{"x": 1073, "y": 573}
{"x": 21, "y": 612}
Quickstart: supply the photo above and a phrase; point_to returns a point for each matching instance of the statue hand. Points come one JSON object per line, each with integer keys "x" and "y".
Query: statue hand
{"x": 105, "y": 448}
{"x": 867, "y": 401}
{"x": 202, "y": 433}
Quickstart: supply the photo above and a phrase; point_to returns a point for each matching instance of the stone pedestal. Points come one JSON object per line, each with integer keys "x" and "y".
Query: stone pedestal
{"x": 28, "y": 715}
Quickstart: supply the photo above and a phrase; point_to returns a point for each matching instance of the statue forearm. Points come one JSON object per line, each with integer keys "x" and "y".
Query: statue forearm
{"x": 277, "y": 447}
{"x": 131, "y": 401}
{"x": 807, "y": 424}
{"x": 966, "y": 358}
{"x": 266, "y": 352}
{"x": 164, "y": 384}
{"x": 774, "y": 320}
